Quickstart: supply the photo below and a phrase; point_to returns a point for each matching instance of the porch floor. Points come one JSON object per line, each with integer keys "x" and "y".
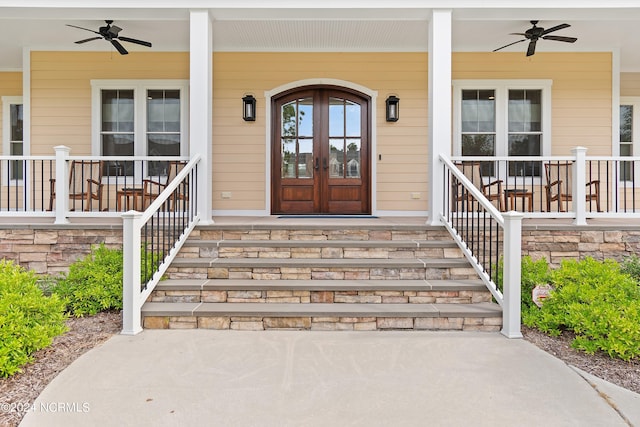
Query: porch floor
{"x": 339, "y": 221}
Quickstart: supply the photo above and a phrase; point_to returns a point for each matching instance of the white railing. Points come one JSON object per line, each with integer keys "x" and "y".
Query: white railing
{"x": 590, "y": 186}
{"x": 488, "y": 238}
{"x": 152, "y": 239}
{"x": 64, "y": 186}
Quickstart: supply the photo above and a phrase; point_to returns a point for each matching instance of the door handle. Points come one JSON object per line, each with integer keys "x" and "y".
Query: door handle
{"x": 324, "y": 164}
{"x": 317, "y": 166}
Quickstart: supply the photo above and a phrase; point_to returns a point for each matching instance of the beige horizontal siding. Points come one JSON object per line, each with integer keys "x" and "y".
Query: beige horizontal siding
{"x": 61, "y": 90}
{"x": 403, "y": 145}
{"x": 629, "y": 84}
{"x": 61, "y": 106}
{"x": 581, "y": 91}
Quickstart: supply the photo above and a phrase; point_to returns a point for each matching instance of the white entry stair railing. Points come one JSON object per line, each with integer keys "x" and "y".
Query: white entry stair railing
{"x": 486, "y": 236}
{"x": 171, "y": 217}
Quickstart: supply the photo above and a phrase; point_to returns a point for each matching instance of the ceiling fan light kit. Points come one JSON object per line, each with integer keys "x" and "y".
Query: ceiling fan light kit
{"x": 110, "y": 33}
{"x": 536, "y": 33}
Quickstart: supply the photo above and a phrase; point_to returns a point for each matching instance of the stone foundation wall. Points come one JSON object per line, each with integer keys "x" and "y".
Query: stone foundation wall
{"x": 556, "y": 244}
{"x": 52, "y": 250}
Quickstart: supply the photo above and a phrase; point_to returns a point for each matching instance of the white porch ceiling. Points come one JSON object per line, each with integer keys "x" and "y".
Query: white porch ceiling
{"x": 320, "y": 29}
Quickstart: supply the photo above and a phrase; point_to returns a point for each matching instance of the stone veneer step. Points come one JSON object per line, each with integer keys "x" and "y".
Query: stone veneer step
{"x": 320, "y": 285}
{"x": 477, "y": 317}
{"x": 321, "y": 262}
{"x": 322, "y": 310}
{"x": 324, "y": 243}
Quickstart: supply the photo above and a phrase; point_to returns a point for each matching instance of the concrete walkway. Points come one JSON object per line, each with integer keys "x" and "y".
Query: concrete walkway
{"x": 289, "y": 378}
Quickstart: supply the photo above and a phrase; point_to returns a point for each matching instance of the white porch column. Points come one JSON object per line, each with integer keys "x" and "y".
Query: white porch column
{"x": 439, "y": 105}
{"x": 579, "y": 190}
{"x": 200, "y": 105}
{"x": 131, "y": 304}
{"x": 511, "y": 279}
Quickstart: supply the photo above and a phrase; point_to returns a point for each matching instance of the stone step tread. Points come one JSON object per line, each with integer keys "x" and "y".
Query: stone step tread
{"x": 321, "y": 262}
{"x": 323, "y": 224}
{"x": 417, "y": 244}
{"x": 320, "y": 285}
{"x": 321, "y": 310}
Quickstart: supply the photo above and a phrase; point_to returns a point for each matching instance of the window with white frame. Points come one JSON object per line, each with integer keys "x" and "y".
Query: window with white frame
{"x": 12, "y": 135}
{"x": 503, "y": 118}
{"x": 139, "y": 118}
{"x": 629, "y": 134}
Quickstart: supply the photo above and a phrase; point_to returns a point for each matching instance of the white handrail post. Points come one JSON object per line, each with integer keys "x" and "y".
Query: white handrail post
{"x": 511, "y": 304}
{"x": 62, "y": 184}
{"x": 131, "y": 318}
{"x": 579, "y": 191}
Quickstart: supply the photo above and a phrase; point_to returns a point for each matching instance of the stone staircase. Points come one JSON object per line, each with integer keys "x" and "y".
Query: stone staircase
{"x": 373, "y": 277}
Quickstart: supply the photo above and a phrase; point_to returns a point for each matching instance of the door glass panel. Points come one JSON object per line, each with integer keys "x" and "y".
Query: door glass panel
{"x": 336, "y": 117}
{"x": 305, "y": 158}
{"x": 336, "y": 158}
{"x": 305, "y": 117}
{"x": 353, "y": 113}
{"x": 353, "y": 158}
{"x": 288, "y": 114}
{"x": 297, "y": 138}
{"x": 288, "y": 158}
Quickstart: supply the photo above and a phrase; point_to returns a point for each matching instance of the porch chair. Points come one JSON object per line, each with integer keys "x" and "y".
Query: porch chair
{"x": 559, "y": 186}
{"x": 473, "y": 172}
{"x": 151, "y": 188}
{"x": 84, "y": 184}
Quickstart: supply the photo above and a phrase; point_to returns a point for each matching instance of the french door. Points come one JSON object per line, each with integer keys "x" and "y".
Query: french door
{"x": 320, "y": 152}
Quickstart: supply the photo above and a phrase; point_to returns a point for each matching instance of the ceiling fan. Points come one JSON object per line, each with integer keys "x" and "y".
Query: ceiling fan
{"x": 535, "y": 33}
{"x": 110, "y": 34}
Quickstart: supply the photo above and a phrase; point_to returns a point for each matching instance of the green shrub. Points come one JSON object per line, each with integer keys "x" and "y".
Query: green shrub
{"x": 28, "y": 319}
{"x": 631, "y": 266}
{"x": 94, "y": 283}
{"x": 532, "y": 273}
{"x": 598, "y": 302}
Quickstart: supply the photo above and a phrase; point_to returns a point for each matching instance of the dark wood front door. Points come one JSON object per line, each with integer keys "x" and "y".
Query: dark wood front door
{"x": 320, "y": 161}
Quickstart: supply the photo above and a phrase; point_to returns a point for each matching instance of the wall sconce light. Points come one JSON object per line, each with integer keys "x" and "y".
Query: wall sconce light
{"x": 249, "y": 108}
{"x": 393, "y": 108}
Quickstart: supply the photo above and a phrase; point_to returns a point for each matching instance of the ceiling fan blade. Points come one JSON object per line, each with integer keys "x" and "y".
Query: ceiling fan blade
{"x": 561, "y": 39}
{"x": 532, "y": 48}
{"x": 507, "y": 45}
{"x": 119, "y": 47}
{"x": 88, "y": 40}
{"x": 130, "y": 40}
{"x": 556, "y": 28}
{"x": 81, "y": 28}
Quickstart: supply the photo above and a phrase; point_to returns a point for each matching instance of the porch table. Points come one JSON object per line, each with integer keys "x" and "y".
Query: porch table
{"x": 126, "y": 195}
{"x": 513, "y": 194}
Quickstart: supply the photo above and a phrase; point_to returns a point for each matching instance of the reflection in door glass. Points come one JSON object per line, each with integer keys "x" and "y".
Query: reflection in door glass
{"x": 305, "y": 117}
{"x": 288, "y": 158}
{"x": 336, "y": 157}
{"x": 353, "y": 119}
{"x": 288, "y": 114}
{"x": 336, "y": 117}
{"x": 297, "y": 138}
{"x": 305, "y": 158}
{"x": 353, "y": 158}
